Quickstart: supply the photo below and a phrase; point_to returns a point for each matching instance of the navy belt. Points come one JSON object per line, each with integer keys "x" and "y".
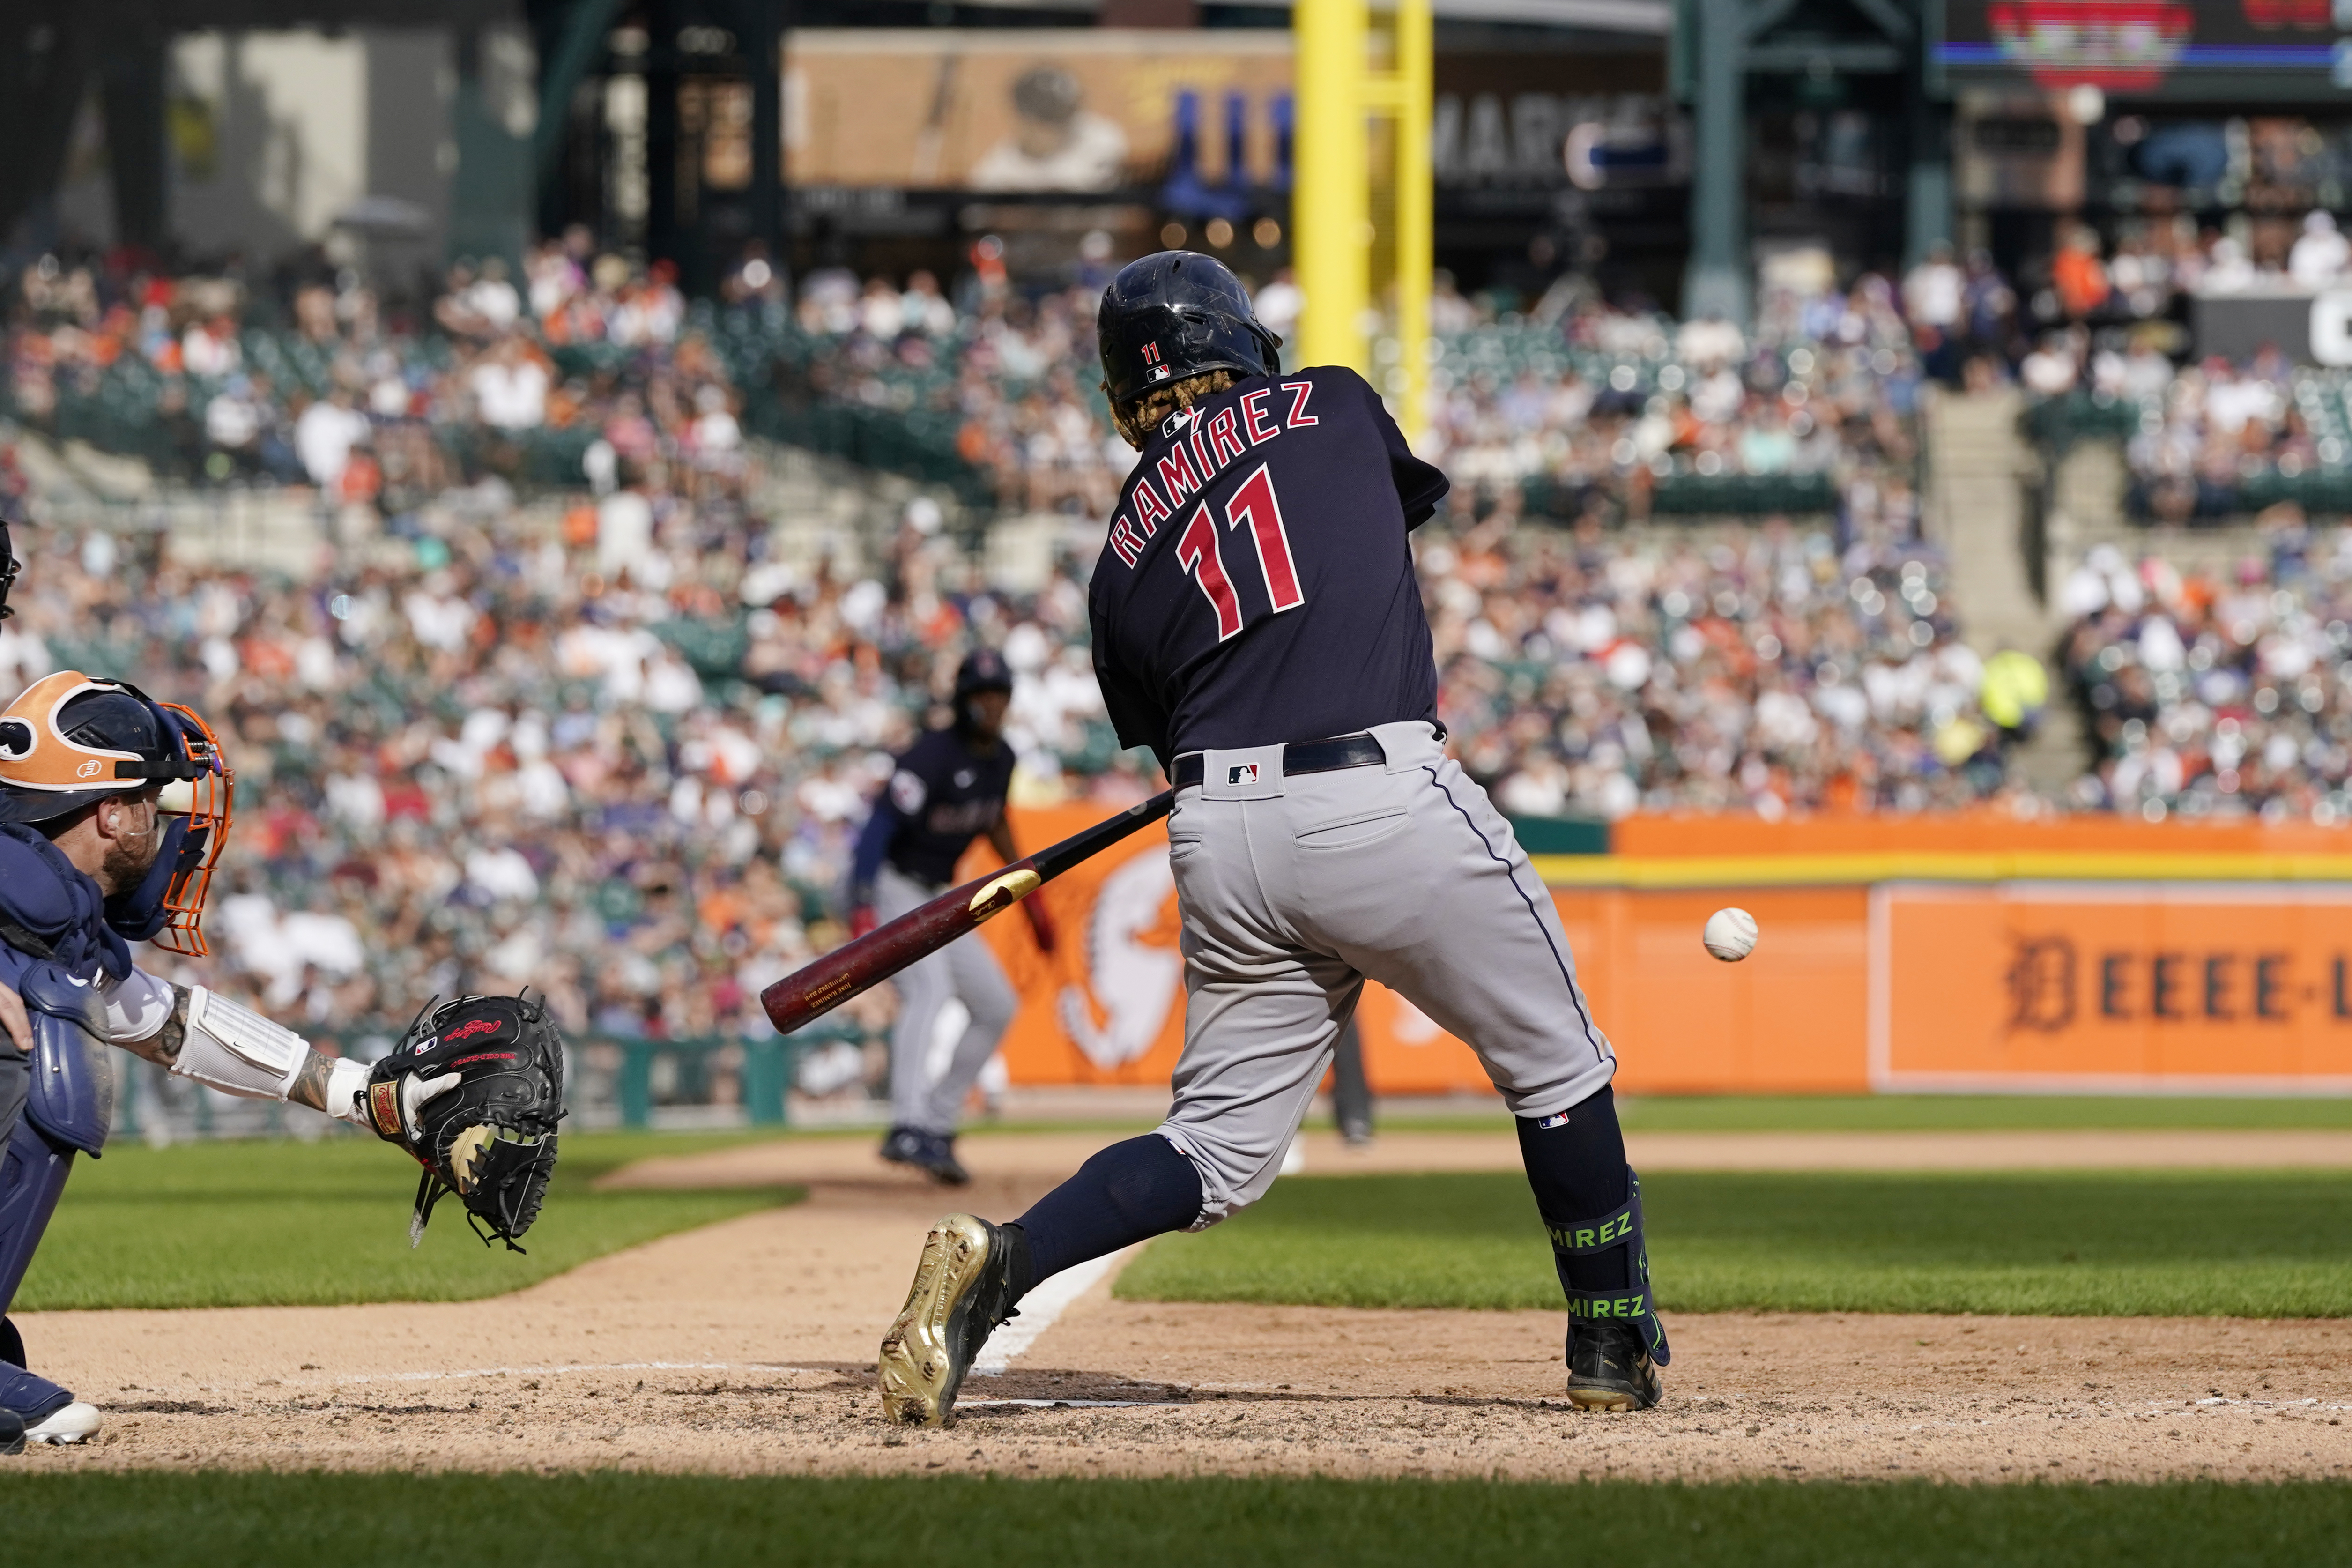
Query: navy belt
{"x": 1298, "y": 757}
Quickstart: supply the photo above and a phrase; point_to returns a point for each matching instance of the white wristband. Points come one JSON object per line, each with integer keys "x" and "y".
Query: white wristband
{"x": 347, "y": 1081}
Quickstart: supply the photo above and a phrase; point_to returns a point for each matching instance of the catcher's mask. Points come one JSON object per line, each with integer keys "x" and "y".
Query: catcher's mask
{"x": 73, "y": 739}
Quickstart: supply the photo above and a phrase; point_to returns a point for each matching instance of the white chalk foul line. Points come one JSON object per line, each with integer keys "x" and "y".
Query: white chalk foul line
{"x": 1039, "y": 1308}
{"x": 557, "y": 1371}
{"x": 1066, "y": 1403}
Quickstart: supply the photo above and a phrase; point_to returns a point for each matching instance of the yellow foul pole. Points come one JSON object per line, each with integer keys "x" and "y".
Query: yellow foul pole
{"x": 1415, "y": 204}
{"x": 1331, "y": 211}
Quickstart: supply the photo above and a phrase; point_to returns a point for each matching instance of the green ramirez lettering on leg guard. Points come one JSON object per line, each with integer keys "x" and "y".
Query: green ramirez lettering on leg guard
{"x": 1628, "y": 1303}
{"x": 1586, "y": 1238}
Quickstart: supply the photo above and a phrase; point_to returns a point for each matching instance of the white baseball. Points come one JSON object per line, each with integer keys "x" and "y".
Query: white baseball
{"x": 1730, "y": 934}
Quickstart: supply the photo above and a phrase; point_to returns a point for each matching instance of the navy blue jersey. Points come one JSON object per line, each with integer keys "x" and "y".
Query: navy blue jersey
{"x": 939, "y": 797}
{"x": 1257, "y": 586}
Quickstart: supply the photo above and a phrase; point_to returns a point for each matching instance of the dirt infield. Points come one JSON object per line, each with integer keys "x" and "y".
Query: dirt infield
{"x": 745, "y": 1347}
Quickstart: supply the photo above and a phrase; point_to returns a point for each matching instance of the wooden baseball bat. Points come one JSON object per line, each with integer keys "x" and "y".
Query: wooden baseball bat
{"x": 855, "y": 967}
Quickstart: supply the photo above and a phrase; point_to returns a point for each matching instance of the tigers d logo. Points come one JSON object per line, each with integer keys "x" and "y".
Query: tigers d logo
{"x": 2041, "y": 984}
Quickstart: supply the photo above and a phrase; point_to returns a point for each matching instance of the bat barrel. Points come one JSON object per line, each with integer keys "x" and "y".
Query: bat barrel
{"x": 855, "y": 967}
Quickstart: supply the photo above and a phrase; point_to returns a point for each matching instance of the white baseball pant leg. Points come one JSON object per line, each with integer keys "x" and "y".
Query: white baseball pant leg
{"x": 965, "y": 970}
{"x": 1293, "y": 890}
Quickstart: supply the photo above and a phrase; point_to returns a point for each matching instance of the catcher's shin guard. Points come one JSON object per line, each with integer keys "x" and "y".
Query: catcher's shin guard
{"x": 32, "y": 1171}
{"x": 964, "y": 1288}
{"x": 1615, "y": 1340}
{"x": 70, "y": 1102}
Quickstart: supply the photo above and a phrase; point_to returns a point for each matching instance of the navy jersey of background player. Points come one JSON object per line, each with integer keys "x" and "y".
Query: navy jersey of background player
{"x": 941, "y": 797}
{"x": 1258, "y": 586}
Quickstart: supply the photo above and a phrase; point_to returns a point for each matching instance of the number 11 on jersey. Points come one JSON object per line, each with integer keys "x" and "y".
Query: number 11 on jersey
{"x": 1196, "y": 552}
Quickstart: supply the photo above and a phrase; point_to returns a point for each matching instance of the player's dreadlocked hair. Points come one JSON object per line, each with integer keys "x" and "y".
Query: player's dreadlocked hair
{"x": 1137, "y": 419}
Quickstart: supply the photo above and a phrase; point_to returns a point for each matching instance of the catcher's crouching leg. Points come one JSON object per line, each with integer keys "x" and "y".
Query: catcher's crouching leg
{"x": 32, "y": 1171}
{"x": 1615, "y": 1342}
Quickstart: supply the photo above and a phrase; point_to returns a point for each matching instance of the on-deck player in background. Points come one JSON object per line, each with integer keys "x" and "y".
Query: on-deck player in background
{"x": 1257, "y": 623}
{"x": 112, "y": 810}
{"x": 945, "y": 790}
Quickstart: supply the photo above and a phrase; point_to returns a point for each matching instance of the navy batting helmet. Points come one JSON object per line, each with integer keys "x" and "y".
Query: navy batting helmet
{"x": 1176, "y": 314}
{"x": 983, "y": 669}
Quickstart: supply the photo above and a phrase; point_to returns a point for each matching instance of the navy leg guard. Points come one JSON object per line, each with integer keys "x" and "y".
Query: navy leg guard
{"x": 33, "y": 1171}
{"x": 33, "y": 1174}
{"x": 1631, "y": 1304}
{"x": 15, "y": 1083}
{"x": 70, "y": 1102}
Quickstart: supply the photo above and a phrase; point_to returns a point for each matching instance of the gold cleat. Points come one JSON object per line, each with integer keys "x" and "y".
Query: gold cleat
{"x": 964, "y": 1288}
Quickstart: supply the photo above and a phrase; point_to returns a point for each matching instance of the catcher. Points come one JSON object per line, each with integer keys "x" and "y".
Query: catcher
{"x": 113, "y": 810}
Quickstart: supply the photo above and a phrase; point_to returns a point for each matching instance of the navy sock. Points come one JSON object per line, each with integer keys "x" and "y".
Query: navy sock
{"x": 1128, "y": 1192}
{"x": 1576, "y": 1163}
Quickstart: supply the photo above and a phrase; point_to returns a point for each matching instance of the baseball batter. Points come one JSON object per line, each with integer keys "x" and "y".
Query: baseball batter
{"x": 1257, "y": 623}
{"x": 946, "y": 789}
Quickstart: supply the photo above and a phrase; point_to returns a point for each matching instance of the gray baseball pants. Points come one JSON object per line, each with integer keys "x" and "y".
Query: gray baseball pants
{"x": 1294, "y": 890}
{"x": 964, "y": 970}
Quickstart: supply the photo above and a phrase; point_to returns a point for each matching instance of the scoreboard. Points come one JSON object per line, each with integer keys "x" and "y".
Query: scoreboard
{"x": 2205, "y": 51}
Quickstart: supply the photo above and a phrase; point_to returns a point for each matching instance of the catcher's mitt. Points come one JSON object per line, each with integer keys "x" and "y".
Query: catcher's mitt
{"x": 473, "y": 1093}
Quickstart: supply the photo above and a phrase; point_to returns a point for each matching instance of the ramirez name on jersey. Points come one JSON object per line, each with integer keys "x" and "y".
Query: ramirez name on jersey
{"x": 1258, "y": 586}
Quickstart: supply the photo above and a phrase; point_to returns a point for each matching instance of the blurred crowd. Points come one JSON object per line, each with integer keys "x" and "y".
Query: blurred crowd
{"x": 620, "y": 746}
{"x": 1566, "y": 408}
{"x": 593, "y": 371}
{"x": 505, "y": 766}
{"x": 1766, "y": 670}
{"x": 2217, "y": 693}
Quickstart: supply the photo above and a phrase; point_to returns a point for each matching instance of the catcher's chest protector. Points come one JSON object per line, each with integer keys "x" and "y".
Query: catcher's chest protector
{"x": 491, "y": 1139}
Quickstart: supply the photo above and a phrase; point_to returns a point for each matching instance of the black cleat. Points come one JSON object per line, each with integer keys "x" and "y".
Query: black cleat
{"x": 1609, "y": 1368}
{"x": 933, "y": 1153}
{"x": 11, "y": 1433}
{"x": 944, "y": 1167}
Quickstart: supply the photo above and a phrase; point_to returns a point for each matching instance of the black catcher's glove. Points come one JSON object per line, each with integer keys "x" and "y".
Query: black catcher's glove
{"x": 473, "y": 1094}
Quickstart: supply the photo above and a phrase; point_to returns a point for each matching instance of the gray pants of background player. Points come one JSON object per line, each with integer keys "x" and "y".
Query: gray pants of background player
{"x": 964, "y": 970}
{"x": 1294, "y": 890}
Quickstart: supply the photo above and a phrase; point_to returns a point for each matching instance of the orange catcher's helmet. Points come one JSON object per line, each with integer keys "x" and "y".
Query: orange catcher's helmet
{"x": 71, "y": 739}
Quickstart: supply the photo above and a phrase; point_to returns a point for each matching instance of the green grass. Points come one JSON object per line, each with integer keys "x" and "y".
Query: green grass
{"x": 2248, "y": 1243}
{"x": 260, "y": 1518}
{"x": 285, "y": 1223}
{"x": 1919, "y": 1112}
{"x": 1925, "y": 1112}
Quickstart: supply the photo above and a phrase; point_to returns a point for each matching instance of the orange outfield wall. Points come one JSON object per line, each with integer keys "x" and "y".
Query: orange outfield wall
{"x": 1964, "y": 952}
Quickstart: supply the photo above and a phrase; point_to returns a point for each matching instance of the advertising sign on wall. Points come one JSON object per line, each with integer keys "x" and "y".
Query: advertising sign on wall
{"x": 2081, "y": 986}
{"x": 2141, "y": 48}
{"x": 2023, "y": 984}
{"x": 1032, "y": 110}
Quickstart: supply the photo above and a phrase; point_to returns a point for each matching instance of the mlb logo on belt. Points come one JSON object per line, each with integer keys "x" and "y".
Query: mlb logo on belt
{"x": 1242, "y": 773}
